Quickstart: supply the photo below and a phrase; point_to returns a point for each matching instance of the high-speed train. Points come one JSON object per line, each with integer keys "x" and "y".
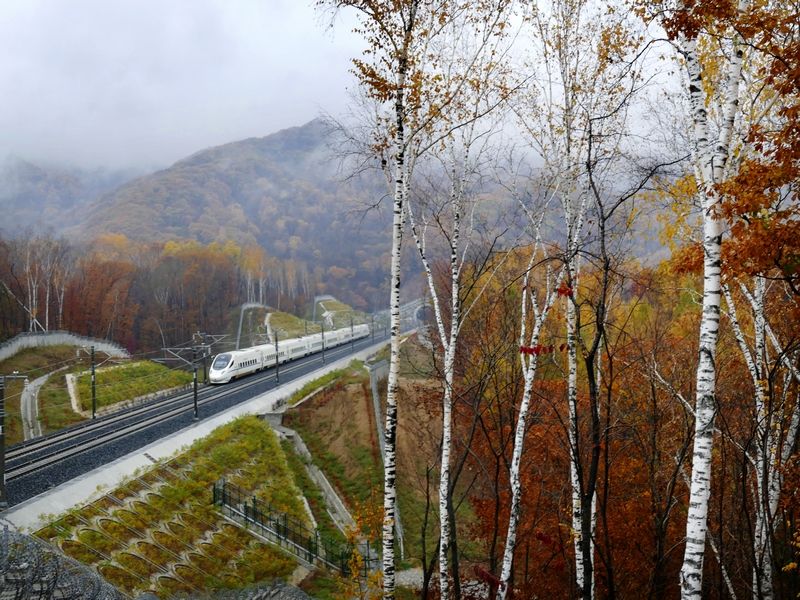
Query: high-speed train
{"x": 236, "y": 363}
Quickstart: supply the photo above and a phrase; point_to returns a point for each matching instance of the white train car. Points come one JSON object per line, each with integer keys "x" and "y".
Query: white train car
{"x": 238, "y": 363}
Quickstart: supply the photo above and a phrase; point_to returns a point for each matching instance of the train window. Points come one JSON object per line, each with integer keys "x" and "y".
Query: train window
{"x": 221, "y": 361}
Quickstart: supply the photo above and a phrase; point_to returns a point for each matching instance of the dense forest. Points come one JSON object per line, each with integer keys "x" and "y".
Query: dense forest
{"x": 144, "y": 296}
{"x": 621, "y": 425}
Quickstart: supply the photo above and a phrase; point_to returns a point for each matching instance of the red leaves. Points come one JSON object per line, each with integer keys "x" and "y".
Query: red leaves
{"x": 486, "y": 577}
{"x": 544, "y": 538}
{"x": 564, "y": 290}
{"x": 540, "y": 349}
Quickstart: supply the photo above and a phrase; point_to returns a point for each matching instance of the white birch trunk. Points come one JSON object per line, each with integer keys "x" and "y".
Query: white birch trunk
{"x": 529, "y": 366}
{"x": 705, "y": 407}
{"x": 390, "y": 429}
{"x": 572, "y": 430}
{"x": 769, "y": 456}
{"x": 709, "y": 163}
{"x": 61, "y": 292}
{"x": 761, "y": 578}
{"x": 32, "y": 282}
{"x": 448, "y": 340}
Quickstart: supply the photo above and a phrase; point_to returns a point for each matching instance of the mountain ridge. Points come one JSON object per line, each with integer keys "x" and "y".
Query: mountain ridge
{"x": 280, "y": 191}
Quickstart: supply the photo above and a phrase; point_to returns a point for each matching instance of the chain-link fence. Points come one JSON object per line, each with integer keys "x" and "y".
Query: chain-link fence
{"x": 32, "y": 569}
{"x": 40, "y": 339}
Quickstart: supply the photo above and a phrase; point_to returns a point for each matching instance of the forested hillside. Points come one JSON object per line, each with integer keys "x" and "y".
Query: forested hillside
{"x": 40, "y": 197}
{"x": 142, "y": 295}
{"x": 624, "y": 431}
{"x": 283, "y": 192}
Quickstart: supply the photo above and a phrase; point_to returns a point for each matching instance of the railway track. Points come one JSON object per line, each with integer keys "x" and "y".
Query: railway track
{"x": 35, "y": 465}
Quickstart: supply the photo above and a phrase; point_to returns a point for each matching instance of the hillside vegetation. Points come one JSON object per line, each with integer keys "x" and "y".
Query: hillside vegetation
{"x": 121, "y": 383}
{"x": 32, "y": 363}
{"x": 282, "y": 191}
{"x": 157, "y": 531}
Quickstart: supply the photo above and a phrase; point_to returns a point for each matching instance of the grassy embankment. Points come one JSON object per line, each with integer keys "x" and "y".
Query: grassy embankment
{"x": 290, "y": 326}
{"x": 125, "y": 382}
{"x": 157, "y": 531}
{"x": 418, "y": 438}
{"x": 338, "y": 427}
{"x": 340, "y": 313}
{"x": 356, "y": 471}
{"x": 33, "y": 363}
{"x": 422, "y": 394}
{"x": 114, "y": 384}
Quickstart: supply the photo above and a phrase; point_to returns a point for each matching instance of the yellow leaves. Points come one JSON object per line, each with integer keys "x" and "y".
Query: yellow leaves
{"x": 377, "y": 86}
{"x": 679, "y": 197}
{"x": 632, "y": 217}
{"x": 615, "y": 41}
{"x": 176, "y": 247}
{"x": 712, "y": 64}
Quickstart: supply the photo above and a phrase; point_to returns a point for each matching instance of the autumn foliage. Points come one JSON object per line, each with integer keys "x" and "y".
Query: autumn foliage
{"x": 144, "y": 296}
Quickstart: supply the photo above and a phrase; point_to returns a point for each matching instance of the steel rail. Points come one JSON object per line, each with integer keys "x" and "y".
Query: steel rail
{"x": 161, "y": 411}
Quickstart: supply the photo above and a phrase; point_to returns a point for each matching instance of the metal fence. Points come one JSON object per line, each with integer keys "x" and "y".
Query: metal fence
{"x": 290, "y": 534}
{"x": 58, "y": 338}
{"x": 31, "y": 569}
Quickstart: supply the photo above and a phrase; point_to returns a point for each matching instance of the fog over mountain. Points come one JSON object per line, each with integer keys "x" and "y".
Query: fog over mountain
{"x": 142, "y": 83}
{"x": 43, "y": 197}
{"x": 283, "y": 192}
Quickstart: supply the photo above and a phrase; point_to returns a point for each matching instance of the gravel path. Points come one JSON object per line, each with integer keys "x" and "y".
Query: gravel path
{"x": 29, "y": 407}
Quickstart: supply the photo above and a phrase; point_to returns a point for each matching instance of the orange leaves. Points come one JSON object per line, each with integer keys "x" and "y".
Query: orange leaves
{"x": 377, "y": 86}
{"x": 687, "y": 259}
{"x": 693, "y": 16}
{"x": 764, "y": 226}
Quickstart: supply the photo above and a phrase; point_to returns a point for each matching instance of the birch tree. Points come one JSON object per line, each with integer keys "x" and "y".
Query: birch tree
{"x": 417, "y": 90}
{"x": 711, "y": 154}
{"x": 460, "y": 155}
{"x": 776, "y": 415}
{"x": 575, "y": 48}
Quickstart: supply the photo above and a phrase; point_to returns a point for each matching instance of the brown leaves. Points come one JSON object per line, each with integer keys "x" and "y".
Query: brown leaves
{"x": 376, "y": 85}
{"x": 694, "y": 16}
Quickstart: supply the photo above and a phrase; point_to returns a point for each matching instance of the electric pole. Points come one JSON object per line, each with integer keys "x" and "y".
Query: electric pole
{"x": 277, "y": 375}
{"x": 194, "y": 382}
{"x": 94, "y": 390}
{"x": 194, "y": 386}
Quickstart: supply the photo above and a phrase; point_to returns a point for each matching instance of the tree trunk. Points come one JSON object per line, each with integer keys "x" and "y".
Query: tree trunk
{"x": 710, "y": 161}
{"x": 691, "y": 576}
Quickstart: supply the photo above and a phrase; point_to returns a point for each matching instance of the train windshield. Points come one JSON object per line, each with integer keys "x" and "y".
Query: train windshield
{"x": 221, "y": 361}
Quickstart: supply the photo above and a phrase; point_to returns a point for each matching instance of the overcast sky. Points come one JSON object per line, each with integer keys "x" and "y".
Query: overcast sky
{"x": 142, "y": 83}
